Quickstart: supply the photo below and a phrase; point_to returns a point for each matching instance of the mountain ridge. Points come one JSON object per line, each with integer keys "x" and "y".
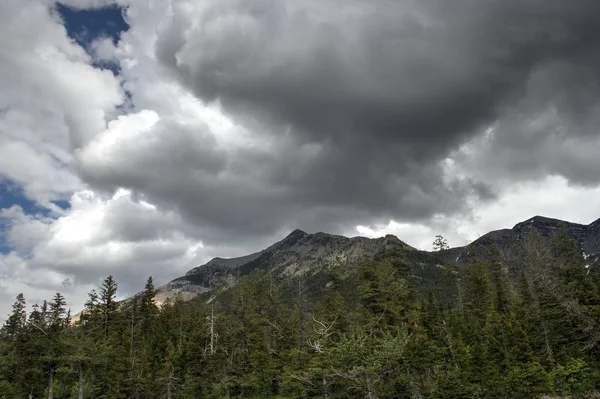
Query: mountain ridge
{"x": 511, "y": 242}
{"x": 303, "y": 254}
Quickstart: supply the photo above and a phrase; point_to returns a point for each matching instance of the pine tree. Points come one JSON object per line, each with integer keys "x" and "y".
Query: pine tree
{"x": 109, "y": 332}
{"x": 440, "y": 243}
{"x": 57, "y": 320}
{"x": 524, "y": 330}
{"x": 13, "y": 338}
{"x": 368, "y": 365}
{"x": 15, "y": 324}
{"x": 57, "y": 314}
{"x": 261, "y": 335}
{"x": 384, "y": 295}
{"x": 148, "y": 309}
{"x": 477, "y": 295}
{"x": 107, "y": 304}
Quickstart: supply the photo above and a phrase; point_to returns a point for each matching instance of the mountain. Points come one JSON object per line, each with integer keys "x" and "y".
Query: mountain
{"x": 313, "y": 256}
{"x": 511, "y": 243}
{"x": 298, "y": 254}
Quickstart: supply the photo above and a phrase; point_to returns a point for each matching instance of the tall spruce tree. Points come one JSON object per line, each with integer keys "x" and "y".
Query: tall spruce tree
{"x": 15, "y": 324}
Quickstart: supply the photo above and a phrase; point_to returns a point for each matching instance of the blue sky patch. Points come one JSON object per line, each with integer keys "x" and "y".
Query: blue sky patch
{"x": 86, "y": 25}
{"x": 62, "y": 204}
{"x": 12, "y": 194}
{"x": 83, "y": 26}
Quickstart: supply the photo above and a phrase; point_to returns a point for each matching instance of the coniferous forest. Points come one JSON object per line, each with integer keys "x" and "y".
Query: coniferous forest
{"x": 526, "y": 329}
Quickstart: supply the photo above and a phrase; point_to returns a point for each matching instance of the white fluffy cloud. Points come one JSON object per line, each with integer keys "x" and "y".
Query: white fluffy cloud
{"x": 52, "y": 100}
{"x": 53, "y": 103}
{"x": 162, "y": 181}
{"x": 552, "y": 196}
{"x": 126, "y": 237}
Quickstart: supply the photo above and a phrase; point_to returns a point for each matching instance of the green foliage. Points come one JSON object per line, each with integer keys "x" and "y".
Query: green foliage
{"x": 16, "y": 320}
{"x": 575, "y": 378}
{"x": 384, "y": 295}
{"x": 367, "y": 364}
{"x": 528, "y": 380}
{"x": 440, "y": 243}
{"x": 525, "y": 330}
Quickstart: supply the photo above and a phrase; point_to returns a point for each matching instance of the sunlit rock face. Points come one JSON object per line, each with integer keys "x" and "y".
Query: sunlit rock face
{"x": 298, "y": 254}
{"x": 303, "y": 255}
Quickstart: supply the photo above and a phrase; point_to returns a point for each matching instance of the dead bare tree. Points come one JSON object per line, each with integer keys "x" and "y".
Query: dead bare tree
{"x": 212, "y": 344}
{"x": 170, "y": 384}
{"x": 323, "y": 331}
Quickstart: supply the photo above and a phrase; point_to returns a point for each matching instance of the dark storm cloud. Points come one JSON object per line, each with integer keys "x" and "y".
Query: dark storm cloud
{"x": 551, "y": 130}
{"x": 425, "y": 75}
{"x": 365, "y": 98}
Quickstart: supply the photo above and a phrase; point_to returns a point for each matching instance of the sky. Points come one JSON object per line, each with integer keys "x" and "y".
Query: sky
{"x": 144, "y": 137}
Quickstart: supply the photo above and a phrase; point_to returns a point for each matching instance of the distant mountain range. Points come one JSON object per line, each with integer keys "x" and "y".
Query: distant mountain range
{"x": 311, "y": 257}
{"x": 510, "y": 243}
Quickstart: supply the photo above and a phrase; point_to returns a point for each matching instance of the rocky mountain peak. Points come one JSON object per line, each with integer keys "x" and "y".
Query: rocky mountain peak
{"x": 547, "y": 227}
{"x": 595, "y": 224}
{"x": 297, "y": 233}
{"x": 537, "y": 222}
{"x": 301, "y": 254}
{"x": 298, "y": 254}
{"x": 291, "y": 239}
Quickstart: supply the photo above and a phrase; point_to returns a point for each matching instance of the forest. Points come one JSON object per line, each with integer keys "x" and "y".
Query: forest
{"x": 528, "y": 329}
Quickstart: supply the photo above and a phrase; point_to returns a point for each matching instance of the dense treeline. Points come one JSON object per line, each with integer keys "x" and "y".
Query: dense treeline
{"x": 514, "y": 331}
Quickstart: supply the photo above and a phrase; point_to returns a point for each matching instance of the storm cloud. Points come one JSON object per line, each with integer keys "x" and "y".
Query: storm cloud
{"x": 215, "y": 127}
{"x": 357, "y": 105}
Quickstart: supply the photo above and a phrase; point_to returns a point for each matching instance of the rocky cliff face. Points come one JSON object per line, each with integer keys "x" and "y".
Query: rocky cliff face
{"x": 302, "y": 254}
{"x": 510, "y": 243}
{"x": 297, "y": 254}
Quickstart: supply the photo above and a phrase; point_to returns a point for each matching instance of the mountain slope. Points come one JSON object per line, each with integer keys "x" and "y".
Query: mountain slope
{"x": 511, "y": 243}
{"x": 306, "y": 255}
{"x": 298, "y": 254}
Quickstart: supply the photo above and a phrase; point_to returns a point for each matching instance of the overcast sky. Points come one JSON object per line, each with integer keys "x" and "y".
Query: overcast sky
{"x": 147, "y": 137}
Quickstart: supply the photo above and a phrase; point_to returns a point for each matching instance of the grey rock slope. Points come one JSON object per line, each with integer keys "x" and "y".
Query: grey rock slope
{"x": 298, "y": 254}
{"x": 302, "y": 254}
{"x": 510, "y": 243}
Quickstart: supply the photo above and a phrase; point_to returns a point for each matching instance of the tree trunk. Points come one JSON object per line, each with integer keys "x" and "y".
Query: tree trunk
{"x": 180, "y": 338}
{"x": 212, "y": 329}
{"x": 168, "y": 393}
{"x": 50, "y": 384}
{"x": 132, "y": 351}
{"x": 80, "y": 386}
{"x": 370, "y": 393}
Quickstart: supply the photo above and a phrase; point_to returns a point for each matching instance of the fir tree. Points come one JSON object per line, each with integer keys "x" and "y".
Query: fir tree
{"x": 440, "y": 243}
{"x": 15, "y": 324}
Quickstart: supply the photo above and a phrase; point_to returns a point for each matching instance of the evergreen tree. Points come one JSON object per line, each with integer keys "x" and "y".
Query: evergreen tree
{"x": 477, "y": 296}
{"x": 57, "y": 320}
{"x": 384, "y": 295}
{"x": 12, "y": 349}
{"x": 107, "y": 305}
{"x": 440, "y": 243}
{"x": 148, "y": 309}
{"x": 15, "y": 324}
{"x": 527, "y": 329}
